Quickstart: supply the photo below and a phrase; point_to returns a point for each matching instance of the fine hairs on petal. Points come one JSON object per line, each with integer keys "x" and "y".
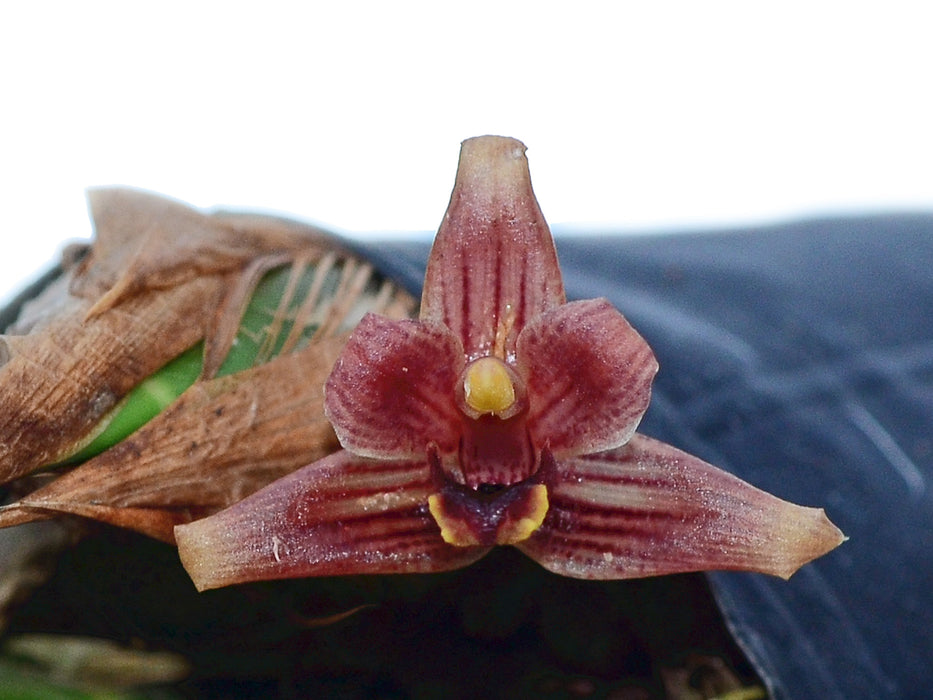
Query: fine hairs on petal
{"x": 648, "y": 509}
{"x": 341, "y": 515}
{"x": 588, "y": 376}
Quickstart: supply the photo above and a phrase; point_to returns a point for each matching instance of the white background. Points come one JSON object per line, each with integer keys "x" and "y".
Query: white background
{"x": 642, "y": 116}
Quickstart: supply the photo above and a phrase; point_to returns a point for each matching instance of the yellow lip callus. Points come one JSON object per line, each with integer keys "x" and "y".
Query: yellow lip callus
{"x": 453, "y": 530}
{"x": 515, "y": 531}
{"x": 487, "y": 387}
{"x": 466, "y": 524}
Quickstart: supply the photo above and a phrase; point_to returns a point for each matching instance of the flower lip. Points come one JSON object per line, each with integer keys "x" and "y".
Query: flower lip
{"x": 480, "y": 517}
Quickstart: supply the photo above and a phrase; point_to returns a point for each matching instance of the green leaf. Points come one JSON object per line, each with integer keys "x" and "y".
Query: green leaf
{"x": 263, "y": 331}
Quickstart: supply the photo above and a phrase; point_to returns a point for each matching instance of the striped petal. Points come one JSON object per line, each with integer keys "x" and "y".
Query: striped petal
{"x": 648, "y": 509}
{"x": 391, "y": 392}
{"x": 341, "y": 515}
{"x": 493, "y": 266}
{"x": 588, "y": 376}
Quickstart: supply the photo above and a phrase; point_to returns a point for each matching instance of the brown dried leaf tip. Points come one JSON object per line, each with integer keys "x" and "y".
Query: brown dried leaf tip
{"x": 248, "y": 312}
{"x": 502, "y": 416}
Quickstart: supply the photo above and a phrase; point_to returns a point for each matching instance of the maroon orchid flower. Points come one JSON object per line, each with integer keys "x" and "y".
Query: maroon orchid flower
{"x": 503, "y": 416}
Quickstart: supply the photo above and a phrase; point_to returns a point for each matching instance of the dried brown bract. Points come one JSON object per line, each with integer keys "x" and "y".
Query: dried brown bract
{"x": 159, "y": 279}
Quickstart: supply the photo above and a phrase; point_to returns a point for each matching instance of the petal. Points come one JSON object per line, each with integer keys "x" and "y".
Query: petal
{"x": 341, "y": 515}
{"x": 493, "y": 266}
{"x": 648, "y": 509}
{"x": 588, "y": 376}
{"x": 392, "y": 390}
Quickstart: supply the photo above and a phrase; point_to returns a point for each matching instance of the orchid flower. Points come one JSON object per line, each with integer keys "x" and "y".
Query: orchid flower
{"x": 502, "y": 416}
